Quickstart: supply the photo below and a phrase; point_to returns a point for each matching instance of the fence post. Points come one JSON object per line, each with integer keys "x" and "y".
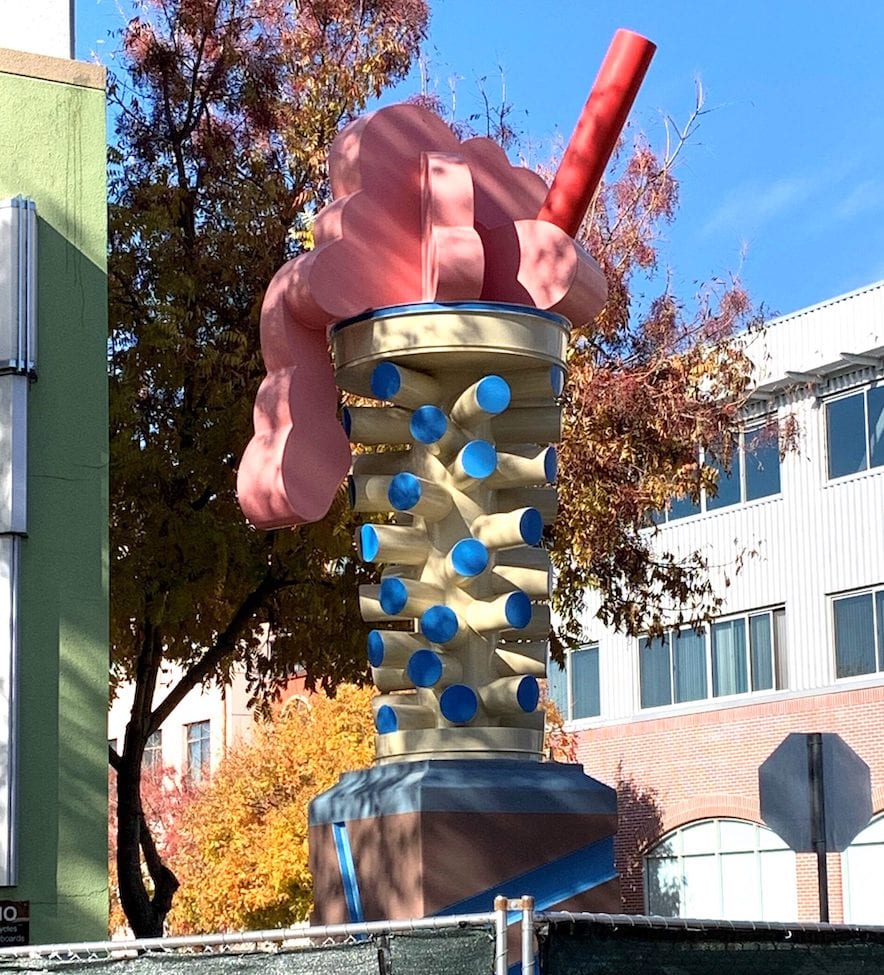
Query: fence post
{"x": 500, "y": 953}
{"x": 527, "y": 904}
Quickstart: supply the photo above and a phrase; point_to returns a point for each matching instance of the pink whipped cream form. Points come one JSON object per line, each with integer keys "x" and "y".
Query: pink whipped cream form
{"x": 417, "y": 216}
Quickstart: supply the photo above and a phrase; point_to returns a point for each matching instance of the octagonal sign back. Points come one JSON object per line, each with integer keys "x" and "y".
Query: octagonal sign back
{"x": 787, "y": 784}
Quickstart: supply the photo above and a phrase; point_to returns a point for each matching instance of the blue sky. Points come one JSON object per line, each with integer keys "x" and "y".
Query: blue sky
{"x": 782, "y": 182}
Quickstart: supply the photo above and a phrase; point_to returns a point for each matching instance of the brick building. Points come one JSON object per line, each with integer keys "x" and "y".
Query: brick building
{"x": 680, "y": 725}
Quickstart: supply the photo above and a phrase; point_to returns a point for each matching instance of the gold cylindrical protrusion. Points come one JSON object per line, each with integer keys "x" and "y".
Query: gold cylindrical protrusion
{"x": 545, "y": 500}
{"x": 535, "y": 583}
{"x": 415, "y": 495}
{"x": 392, "y": 648}
{"x": 538, "y": 626}
{"x": 382, "y": 462}
{"x": 403, "y": 598}
{"x": 487, "y": 397}
{"x": 409, "y": 712}
{"x": 375, "y": 425}
{"x": 522, "y": 658}
{"x": 388, "y": 679}
{"x": 506, "y": 529}
{"x": 392, "y": 543}
{"x": 368, "y": 493}
{"x": 407, "y": 387}
{"x": 503, "y": 696}
{"x": 505, "y": 611}
{"x": 524, "y": 556}
{"x": 537, "y": 424}
{"x": 523, "y": 467}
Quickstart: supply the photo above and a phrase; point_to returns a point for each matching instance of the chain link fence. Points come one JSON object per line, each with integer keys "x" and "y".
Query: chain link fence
{"x": 567, "y": 944}
{"x": 452, "y": 948}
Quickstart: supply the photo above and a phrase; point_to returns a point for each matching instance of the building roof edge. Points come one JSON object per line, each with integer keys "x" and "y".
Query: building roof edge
{"x": 45, "y": 68}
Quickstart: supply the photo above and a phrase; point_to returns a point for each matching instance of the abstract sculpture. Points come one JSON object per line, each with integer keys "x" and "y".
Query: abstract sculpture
{"x": 445, "y": 279}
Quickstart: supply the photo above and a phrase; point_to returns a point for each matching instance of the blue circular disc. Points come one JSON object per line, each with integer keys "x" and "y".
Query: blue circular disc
{"x": 469, "y": 557}
{"x": 404, "y": 491}
{"x": 347, "y": 420}
{"x": 369, "y": 544}
{"x": 479, "y": 459}
{"x": 428, "y": 424}
{"x": 394, "y": 596}
{"x": 551, "y": 465}
{"x": 439, "y": 624}
{"x": 493, "y": 394}
{"x": 385, "y": 380}
{"x": 386, "y": 720}
{"x": 528, "y": 694}
{"x": 531, "y": 526}
{"x": 458, "y": 703}
{"x": 557, "y": 379}
{"x": 424, "y": 668}
{"x": 518, "y": 610}
{"x": 375, "y": 648}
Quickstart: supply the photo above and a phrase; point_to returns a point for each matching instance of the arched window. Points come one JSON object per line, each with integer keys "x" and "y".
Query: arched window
{"x": 721, "y": 869}
{"x": 862, "y": 869}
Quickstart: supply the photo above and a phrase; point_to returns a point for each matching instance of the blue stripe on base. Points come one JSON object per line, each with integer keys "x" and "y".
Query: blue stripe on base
{"x": 348, "y": 872}
{"x": 550, "y": 884}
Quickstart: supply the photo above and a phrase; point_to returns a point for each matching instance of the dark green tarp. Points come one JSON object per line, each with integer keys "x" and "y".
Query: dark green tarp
{"x": 468, "y": 952}
{"x": 598, "y": 948}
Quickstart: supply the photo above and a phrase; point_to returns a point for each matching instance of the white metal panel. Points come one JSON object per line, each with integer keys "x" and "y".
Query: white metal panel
{"x": 18, "y": 285}
{"x": 9, "y": 560}
{"x": 815, "y": 337}
{"x": 18, "y": 329}
{"x": 13, "y": 453}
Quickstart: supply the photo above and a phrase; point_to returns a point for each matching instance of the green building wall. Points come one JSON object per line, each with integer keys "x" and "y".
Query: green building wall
{"x": 53, "y": 150}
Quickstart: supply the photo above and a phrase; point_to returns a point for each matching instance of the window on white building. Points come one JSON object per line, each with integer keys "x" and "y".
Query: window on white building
{"x": 754, "y": 473}
{"x": 859, "y": 633}
{"x": 153, "y": 751}
{"x": 855, "y": 432}
{"x": 557, "y": 685}
{"x": 721, "y": 868}
{"x": 862, "y": 867}
{"x": 197, "y": 751}
{"x": 575, "y": 690}
{"x": 739, "y": 655}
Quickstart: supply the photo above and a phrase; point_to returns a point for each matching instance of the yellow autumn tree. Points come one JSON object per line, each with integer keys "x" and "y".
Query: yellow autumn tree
{"x": 242, "y": 855}
{"x": 240, "y": 844}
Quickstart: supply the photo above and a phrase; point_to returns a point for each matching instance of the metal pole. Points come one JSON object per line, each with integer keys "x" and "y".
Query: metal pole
{"x": 818, "y": 818}
{"x": 500, "y": 954}
{"x": 527, "y": 905}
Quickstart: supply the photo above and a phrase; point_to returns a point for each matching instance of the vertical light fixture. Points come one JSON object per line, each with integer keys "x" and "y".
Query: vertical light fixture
{"x": 18, "y": 347}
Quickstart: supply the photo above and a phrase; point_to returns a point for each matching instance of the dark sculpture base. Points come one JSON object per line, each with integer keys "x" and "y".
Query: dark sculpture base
{"x": 444, "y": 837}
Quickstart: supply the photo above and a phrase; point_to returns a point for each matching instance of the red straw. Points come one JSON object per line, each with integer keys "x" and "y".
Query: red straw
{"x": 597, "y": 131}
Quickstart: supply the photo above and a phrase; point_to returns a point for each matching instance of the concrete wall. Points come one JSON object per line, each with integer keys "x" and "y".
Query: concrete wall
{"x": 53, "y": 150}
